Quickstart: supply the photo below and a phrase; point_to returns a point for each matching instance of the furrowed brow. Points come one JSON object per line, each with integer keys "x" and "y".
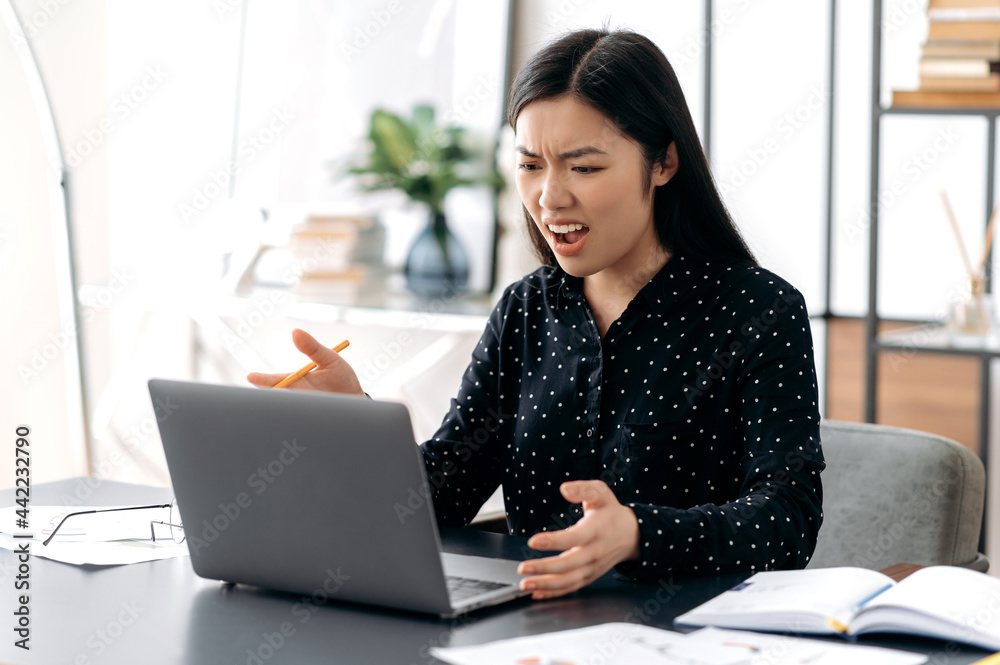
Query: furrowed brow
{"x": 571, "y": 154}
{"x": 580, "y": 152}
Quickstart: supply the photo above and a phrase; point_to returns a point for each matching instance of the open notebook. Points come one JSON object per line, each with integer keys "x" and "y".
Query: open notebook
{"x": 944, "y": 602}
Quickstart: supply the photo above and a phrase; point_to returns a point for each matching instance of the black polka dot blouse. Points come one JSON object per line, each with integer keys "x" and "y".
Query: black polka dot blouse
{"x": 698, "y": 408}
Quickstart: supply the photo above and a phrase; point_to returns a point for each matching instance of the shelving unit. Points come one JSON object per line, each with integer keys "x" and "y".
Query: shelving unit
{"x": 928, "y": 338}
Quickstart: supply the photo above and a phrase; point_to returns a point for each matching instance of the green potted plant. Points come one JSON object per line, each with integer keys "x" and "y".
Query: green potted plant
{"x": 425, "y": 161}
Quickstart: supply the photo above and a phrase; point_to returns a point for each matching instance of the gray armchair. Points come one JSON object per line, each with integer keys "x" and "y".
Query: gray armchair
{"x": 893, "y": 495}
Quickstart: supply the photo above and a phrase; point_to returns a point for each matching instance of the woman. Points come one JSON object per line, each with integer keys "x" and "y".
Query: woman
{"x": 647, "y": 398}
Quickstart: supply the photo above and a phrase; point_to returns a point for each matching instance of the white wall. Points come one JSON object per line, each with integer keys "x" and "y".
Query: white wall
{"x": 769, "y": 118}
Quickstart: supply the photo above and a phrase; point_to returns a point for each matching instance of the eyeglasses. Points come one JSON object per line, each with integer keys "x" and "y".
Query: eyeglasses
{"x": 173, "y": 521}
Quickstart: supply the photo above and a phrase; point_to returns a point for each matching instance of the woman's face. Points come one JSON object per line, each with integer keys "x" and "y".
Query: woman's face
{"x": 582, "y": 182}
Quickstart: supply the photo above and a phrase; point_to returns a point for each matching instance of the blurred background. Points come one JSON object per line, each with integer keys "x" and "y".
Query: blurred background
{"x": 210, "y": 207}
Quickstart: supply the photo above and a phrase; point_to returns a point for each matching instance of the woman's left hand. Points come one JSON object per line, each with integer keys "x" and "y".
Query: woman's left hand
{"x": 606, "y": 535}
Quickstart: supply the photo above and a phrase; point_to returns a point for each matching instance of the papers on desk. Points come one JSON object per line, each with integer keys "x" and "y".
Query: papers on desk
{"x": 103, "y": 539}
{"x": 627, "y": 644}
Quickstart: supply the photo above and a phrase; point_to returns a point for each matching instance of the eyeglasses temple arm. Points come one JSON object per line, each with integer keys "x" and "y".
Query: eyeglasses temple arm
{"x": 105, "y": 510}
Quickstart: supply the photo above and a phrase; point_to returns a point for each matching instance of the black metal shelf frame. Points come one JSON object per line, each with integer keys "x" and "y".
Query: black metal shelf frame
{"x": 873, "y": 344}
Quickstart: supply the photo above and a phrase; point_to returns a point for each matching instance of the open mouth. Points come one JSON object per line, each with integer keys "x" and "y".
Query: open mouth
{"x": 568, "y": 234}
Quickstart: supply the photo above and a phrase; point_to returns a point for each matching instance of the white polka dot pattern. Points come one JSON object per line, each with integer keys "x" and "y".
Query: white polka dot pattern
{"x": 698, "y": 408}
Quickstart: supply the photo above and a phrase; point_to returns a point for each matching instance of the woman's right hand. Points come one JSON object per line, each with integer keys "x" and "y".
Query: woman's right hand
{"x": 332, "y": 373}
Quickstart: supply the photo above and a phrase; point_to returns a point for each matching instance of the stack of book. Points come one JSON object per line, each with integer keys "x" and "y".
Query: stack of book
{"x": 338, "y": 258}
{"x": 960, "y": 63}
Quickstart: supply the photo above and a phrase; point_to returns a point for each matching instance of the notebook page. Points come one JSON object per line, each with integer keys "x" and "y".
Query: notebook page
{"x": 791, "y": 600}
{"x": 946, "y": 601}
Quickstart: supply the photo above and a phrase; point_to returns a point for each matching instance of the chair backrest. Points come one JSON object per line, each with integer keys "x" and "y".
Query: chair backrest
{"x": 893, "y": 495}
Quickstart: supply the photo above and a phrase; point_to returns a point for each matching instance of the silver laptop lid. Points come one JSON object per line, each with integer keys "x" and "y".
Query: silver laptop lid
{"x": 306, "y": 492}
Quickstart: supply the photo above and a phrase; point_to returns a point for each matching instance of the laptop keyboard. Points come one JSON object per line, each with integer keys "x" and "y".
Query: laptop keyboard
{"x": 460, "y": 588}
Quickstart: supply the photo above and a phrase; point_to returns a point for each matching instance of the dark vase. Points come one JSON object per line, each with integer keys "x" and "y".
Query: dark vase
{"x": 437, "y": 265}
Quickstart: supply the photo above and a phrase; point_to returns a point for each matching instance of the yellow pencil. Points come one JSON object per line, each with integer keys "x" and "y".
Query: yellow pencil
{"x": 295, "y": 376}
{"x": 837, "y": 626}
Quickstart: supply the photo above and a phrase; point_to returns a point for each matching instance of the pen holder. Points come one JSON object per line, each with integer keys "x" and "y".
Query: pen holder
{"x": 971, "y": 320}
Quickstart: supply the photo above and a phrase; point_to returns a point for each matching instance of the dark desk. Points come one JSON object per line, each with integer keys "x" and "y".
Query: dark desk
{"x": 160, "y": 612}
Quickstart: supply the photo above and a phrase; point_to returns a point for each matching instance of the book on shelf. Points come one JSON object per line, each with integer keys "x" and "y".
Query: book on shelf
{"x": 338, "y": 258}
{"x": 933, "y": 66}
{"x": 344, "y": 287}
{"x": 962, "y": 4}
{"x": 971, "y": 30}
{"x": 942, "y": 602}
{"x": 327, "y": 243}
{"x": 319, "y": 254}
{"x": 986, "y": 49}
{"x": 989, "y": 83}
{"x": 952, "y": 14}
{"x": 962, "y": 51}
{"x": 945, "y": 100}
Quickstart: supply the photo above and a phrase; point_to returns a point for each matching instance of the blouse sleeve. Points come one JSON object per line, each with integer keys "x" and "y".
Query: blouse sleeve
{"x": 775, "y": 521}
{"x": 463, "y": 457}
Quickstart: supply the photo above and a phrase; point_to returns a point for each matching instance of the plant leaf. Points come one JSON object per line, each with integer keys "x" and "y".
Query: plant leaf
{"x": 395, "y": 144}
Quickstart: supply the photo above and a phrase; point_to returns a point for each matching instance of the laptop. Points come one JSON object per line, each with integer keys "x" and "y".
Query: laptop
{"x": 316, "y": 494}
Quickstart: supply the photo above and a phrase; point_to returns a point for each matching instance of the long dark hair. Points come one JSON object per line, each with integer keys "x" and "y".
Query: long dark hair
{"x": 628, "y": 79}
